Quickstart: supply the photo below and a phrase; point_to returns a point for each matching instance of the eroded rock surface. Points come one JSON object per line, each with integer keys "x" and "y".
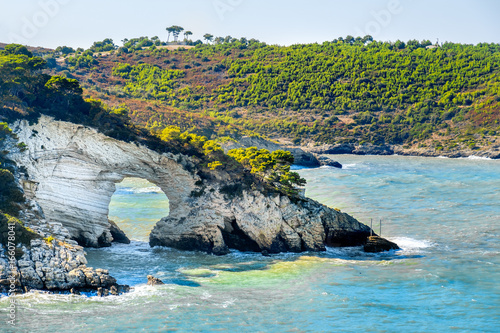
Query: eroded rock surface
{"x": 328, "y": 161}
{"x": 153, "y": 281}
{"x": 258, "y": 222}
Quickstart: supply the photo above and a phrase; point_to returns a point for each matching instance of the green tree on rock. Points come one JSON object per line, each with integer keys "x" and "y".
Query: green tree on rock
{"x": 273, "y": 167}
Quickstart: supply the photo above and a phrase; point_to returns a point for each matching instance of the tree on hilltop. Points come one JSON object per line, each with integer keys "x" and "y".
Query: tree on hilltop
{"x": 208, "y": 37}
{"x": 367, "y": 39}
{"x": 65, "y": 50}
{"x": 174, "y": 30}
{"x": 187, "y": 34}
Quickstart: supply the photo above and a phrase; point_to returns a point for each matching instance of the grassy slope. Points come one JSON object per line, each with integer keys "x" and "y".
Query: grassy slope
{"x": 453, "y": 116}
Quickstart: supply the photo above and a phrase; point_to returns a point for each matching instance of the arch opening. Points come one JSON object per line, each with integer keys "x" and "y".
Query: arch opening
{"x": 135, "y": 207}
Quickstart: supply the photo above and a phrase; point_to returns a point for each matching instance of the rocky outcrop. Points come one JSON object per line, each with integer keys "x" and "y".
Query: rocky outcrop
{"x": 328, "y": 161}
{"x": 349, "y": 148}
{"x": 369, "y": 149}
{"x": 52, "y": 265}
{"x": 258, "y": 222}
{"x": 463, "y": 151}
{"x": 153, "y": 281}
{"x": 71, "y": 171}
{"x": 378, "y": 244}
{"x": 492, "y": 151}
{"x": 301, "y": 157}
{"x": 117, "y": 234}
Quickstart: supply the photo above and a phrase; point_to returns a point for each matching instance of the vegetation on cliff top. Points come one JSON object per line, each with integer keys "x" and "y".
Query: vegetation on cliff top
{"x": 348, "y": 90}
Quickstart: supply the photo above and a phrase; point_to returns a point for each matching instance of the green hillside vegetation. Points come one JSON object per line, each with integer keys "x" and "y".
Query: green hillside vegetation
{"x": 348, "y": 90}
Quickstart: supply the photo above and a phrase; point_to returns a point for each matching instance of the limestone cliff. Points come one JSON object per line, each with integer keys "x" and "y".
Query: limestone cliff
{"x": 71, "y": 171}
{"x": 68, "y": 173}
{"x": 52, "y": 265}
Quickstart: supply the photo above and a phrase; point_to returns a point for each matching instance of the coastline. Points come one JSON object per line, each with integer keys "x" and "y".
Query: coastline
{"x": 492, "y": 153}
{"x": 314, "y": 154}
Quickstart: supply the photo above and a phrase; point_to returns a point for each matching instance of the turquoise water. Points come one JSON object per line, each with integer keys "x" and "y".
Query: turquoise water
{"x": 444, "y": 213}
{"x": 136, "y": 206}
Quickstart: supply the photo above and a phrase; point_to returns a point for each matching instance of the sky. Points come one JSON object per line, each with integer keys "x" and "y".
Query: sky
{"x": 78, "y": 23}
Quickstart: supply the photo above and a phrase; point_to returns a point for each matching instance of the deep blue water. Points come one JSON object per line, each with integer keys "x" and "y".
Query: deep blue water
{"x": 444, "y": 213}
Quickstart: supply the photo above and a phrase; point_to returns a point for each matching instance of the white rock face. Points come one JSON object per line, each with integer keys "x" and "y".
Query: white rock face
{"x": 71, "y": 175}
{"x": 72, "y": 171}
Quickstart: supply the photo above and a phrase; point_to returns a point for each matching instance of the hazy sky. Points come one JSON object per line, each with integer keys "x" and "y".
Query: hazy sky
{"x": 78, "y": 23}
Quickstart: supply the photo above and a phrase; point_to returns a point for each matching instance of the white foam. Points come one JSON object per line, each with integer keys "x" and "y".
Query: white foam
{"x": 150, "y": 189}
{"x": 135, "y": 247}
{"x": 349, "y": 166}
{"x": 350, "y": 252}
{"x": 411, "y": 244}
{"x": 474, "y": 157}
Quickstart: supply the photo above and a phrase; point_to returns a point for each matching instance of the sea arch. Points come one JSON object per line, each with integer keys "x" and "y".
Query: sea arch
{"x": 71, "y": 172}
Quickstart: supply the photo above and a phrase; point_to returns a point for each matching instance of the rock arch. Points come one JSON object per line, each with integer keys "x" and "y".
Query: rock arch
{"x": 71, "y": 172}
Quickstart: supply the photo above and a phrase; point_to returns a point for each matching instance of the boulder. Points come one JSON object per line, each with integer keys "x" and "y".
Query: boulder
{"x": 153, "y": 281}
{"x": 117, "y": 234}
{"x": 378, "y": 244}
{"x": 328, "y": 161}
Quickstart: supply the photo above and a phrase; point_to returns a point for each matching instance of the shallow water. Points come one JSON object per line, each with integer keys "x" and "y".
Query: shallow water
{"x": 444, "y": 213}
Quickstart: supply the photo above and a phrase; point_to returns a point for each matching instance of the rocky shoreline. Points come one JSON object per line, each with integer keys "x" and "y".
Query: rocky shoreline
{"x": 369, "y": 149}
{"x": 54, "y": 266}
{"x": 313, "y": 154}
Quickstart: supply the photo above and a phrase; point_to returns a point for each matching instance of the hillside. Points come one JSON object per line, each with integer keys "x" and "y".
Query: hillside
{"x": 414, "y": 94}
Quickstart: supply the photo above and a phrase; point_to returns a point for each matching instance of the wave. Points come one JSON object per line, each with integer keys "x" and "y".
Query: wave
{"x": 137, "y": 293}
{"x": 407, "y": 245}
{"x": 474, "y": 157}
{"x": 349, "y": 166}
{"x": 134, "y": 190}
{"x": 134, "y": 248}
{"x": 298, "y": 167}
{"x": 412, "y": 245}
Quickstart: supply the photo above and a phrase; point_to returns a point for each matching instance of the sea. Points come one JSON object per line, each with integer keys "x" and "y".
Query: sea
{"x": 443, "y": 213}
